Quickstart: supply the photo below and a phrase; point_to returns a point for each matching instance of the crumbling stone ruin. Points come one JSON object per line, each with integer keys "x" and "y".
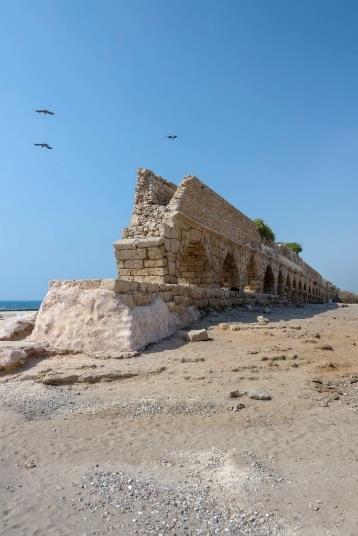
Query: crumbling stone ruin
{"x": 185, "y": 249}
{"x": 188, "y": 235}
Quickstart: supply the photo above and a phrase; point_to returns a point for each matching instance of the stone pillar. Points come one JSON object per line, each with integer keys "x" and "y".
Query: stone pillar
{"x": 142, "y": 259}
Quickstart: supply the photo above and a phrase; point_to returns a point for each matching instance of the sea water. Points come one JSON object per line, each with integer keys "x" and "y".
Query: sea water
{"x": 19, "y": 305}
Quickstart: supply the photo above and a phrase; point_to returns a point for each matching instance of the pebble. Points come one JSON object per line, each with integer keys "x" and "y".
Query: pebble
{"x": 259, "y": 394}
{"x": 236, "y": 394}
{"x": 158, "y": 507}
{"x": 238, "y": 407}
{"x": 30, "y": 464}
{"x": 196, "y": 335}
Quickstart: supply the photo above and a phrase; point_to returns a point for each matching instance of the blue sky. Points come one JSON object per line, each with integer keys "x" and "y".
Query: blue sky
{"x": 262, "y": 94}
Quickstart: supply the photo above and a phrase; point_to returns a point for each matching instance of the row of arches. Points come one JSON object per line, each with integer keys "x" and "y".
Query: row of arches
{"x": 195, "y": 267}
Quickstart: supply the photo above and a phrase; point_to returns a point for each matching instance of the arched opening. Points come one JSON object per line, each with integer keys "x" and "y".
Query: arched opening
{"x": 269, "y": 281}
{"x": 195, "y": 268}
{"x": 294, "y": 283}
{"x": 230, "y": 277}
{"x": 280, "y": 288}
{"x": 304, "y": 287}
{"x": 300, "y": 286}
{"x": 251, "y": 276}
{"x": 288, "y": 283}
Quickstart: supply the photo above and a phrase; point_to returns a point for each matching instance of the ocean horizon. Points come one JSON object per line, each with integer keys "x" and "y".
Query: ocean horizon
{"x": 19, "y": 305}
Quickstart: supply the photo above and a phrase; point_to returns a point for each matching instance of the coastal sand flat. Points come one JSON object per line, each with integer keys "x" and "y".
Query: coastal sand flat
{"x": 151, "y": 445}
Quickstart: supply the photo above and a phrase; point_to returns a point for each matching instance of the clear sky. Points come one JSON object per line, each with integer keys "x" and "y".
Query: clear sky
{"x": 262, "y": 95}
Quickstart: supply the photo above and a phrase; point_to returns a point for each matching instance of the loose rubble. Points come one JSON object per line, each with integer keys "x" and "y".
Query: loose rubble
{"x": 151, "y": 507}
{"x": 259, "y": 394}
{"x": 263, "y": 320}
{"x": 196, "y": 335}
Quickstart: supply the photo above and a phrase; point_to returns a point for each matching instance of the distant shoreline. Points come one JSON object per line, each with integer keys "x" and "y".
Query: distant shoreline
{"x": 19, "y": 305}
{"x": 17, "y": 310}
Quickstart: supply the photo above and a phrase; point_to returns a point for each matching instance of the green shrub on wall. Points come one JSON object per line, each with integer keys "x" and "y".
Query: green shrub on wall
{"x": 265, "y": 231}
{"x": 294, "y": 246}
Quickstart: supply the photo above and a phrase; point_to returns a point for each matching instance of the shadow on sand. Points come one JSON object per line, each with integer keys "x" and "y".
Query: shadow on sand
{"x": 241, "y": 315}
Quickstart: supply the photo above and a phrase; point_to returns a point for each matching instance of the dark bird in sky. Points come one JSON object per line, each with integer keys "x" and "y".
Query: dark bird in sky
{"x": 44, "y": 111}
{"x": 43, "y": 145}
{"x": 171, "y": 137}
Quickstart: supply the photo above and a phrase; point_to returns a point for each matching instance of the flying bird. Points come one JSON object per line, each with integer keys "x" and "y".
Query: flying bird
{"x": 43, "y": 145}
{"x": 44, "y": 111}
{"x": 171, "y": 137}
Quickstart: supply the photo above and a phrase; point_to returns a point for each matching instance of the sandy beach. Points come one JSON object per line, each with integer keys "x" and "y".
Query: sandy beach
{"x": 253, "y": 432}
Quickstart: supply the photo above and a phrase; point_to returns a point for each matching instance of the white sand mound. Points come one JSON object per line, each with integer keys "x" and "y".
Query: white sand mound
{"x": 17, "y": 327}
{"x": 98, "y": 322}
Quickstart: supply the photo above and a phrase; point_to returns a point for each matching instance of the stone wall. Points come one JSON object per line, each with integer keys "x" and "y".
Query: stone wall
{"x": 188, "y": 235}
{"x": 185, "y": 249}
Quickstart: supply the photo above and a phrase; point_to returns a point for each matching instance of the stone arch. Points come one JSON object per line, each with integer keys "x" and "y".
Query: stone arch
{"x": 230, "y": 277}
{"x": 304, "y": 287}
{"x": 294, "y": 285}
{"x": 252, "y": 278}
{"x": 195, "y": 267}
{"x": 269, "y": 281}
{"x": 288, "y": 282}
{"x": 300, "y": 286}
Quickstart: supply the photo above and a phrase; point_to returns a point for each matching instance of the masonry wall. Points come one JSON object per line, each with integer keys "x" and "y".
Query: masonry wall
{"x": 190, "y": 237}
{"x": 206, "y": 208}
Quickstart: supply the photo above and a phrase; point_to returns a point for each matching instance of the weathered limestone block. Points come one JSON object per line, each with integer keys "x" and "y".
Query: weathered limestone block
{"x": 133, "y": 264}
{"x": 17, "y": 327}
{"x": 12, "y": 357}
{"x": 125, "y": 243}
{"x": 157, "y": 271}
{"x": 128, "y": 300}
{"x": 156, "y": 252}
{"x": 98, "y": 322}
{"x": 174, "y": 246}
{"x": 149, "y": 242}
{"x": 121, "y": 285}
{"x": 158, "y": 263}
{"x": 15, "y": 356}
{"x": 171, "y": 268}
{"x": 197, "y": 335}
{"x": 131, "y": 254}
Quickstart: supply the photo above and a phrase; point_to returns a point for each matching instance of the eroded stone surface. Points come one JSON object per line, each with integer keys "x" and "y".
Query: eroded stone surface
{"x": 98, "y": 321}
{"x": 190, "y": 235}
{"x": 14, "y": 356}
{"x": 197, "y": 335}
{"x": 17, "y": 327}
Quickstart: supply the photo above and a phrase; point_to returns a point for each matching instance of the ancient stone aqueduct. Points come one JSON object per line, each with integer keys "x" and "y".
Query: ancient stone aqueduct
{"x": 205, "y": 252}
{"x": 185, "y": 249}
